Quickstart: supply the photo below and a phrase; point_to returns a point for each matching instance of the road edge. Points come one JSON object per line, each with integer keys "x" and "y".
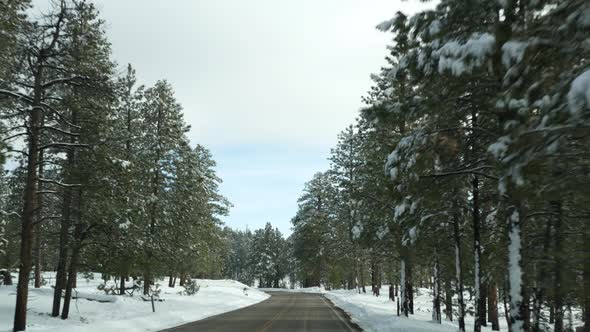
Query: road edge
{"x": 346, "y": 315}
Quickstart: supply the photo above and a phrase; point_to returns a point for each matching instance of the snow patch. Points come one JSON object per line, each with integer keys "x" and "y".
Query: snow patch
{"x": 461, "y": 57}
{"x": 126, "y": 313}
{"x": 579, "y": 94}
{"x": 513, "y": 52}
{"x": 434, "y": 27}
{"x": 356, "y": 232}
{"x": 500, "y": 147}
{"x": 377, "y": 314}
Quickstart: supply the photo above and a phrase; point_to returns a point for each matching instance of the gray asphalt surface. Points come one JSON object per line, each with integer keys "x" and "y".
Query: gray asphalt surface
{"x": 283, "y": 312}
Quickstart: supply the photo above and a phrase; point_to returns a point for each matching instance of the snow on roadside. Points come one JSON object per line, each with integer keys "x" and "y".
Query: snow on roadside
{"x": 129, "y": 313}
{"x": 378, "y": 313}
{"x": 373, "y": 313}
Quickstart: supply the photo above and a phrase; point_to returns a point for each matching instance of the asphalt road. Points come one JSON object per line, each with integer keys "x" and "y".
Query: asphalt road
{"x": 283, "y": 312}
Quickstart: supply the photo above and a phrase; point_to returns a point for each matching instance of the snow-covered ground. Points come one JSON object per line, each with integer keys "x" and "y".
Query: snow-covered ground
{"x": 127, "y": 313}
{"x": 379, "y": 313}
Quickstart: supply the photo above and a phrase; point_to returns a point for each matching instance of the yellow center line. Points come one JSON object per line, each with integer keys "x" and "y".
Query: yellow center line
{"x": 268, "y": 324}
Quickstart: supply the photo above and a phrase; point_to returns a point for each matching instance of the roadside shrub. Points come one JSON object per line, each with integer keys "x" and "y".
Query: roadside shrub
{"x": 191, "y": 287}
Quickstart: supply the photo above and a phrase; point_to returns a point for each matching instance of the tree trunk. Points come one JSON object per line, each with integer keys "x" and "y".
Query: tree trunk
{"x": 483, "y": 295}
{"x": 586, "y": 275}
{"x": 350, "y": 281}
{"x": 403, "y": 296}
{"x": 37, "y": 255}
{"x": 6, "y": 277}
{"x": 379, "y": 277}
{"x": 373, "y": 278}
{"x": 558, "y": 254}
{"x": 493, "y": 306}
{"x": 122, "y": 285}
{"x": 39, "y": 215}
{"x": 154, "y": 205}
{"x": 541, "y": 280}
{"x": 515, "y": 270}
{"x": 61, "y": 273}
{"x": 28, "y": 212}
{"x": 506, "y": 309}
{"x": 183, "y": 278}
{"x": 479, "y": 305}
{"x": 458, "y": 272}
{"x": 362, "y": 277}
{"x": 448, "y": 300}
{"x": 410, "y": 287}
{"x": 72, "y": 273}
{"x": 356, "y": 268}
{"x": 436, "y": 315}
{"x": 391, "y": 296}
{"x": 75, "y": 258}
{"x": 526, "y": 302}
{"x": 146, "y": 283}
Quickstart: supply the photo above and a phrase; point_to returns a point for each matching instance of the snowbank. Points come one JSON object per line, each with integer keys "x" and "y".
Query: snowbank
{"x": 118, "y": 313}
{"x": 379, "y": 313}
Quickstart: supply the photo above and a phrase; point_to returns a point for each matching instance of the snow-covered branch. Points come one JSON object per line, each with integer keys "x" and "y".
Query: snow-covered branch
{"x": 476, "y": 171}
{"x": 14, "y": 94}
{"x": 61, "y": 184}
{"x": 63, "y": 145}
{"x": 64, "y": 80}
{"x": 442, "y": 130}
{"x": 61, "y": 131}
{"x": 7, "y": 214}
{"x": 6, "y": 139}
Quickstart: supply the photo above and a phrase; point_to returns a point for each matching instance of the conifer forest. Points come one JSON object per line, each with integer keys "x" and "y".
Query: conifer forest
{"x": 458, "y": 192}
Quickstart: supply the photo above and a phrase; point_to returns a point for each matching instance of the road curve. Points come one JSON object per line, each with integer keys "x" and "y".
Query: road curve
{"x": 283, "y": 311}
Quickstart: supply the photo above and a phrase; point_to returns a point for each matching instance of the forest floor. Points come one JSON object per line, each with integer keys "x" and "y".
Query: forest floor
{"x": 125, "y": 312}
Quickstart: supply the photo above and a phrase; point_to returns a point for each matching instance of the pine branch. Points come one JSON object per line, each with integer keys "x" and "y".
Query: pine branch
{"x": 65, "y": 80}
{"x": 16, "y": 95}
{"x": 60, "y": 184}
{"x": 61, "y": 131}
{"x": 64, "y": 145}
{"x": 469, "y": 171}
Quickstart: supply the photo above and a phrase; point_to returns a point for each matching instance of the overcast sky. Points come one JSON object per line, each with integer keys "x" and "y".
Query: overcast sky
{"x": 266, "y": 84}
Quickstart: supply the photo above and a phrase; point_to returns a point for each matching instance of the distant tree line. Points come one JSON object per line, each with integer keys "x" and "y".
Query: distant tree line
{"x": 262, "y": 258}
